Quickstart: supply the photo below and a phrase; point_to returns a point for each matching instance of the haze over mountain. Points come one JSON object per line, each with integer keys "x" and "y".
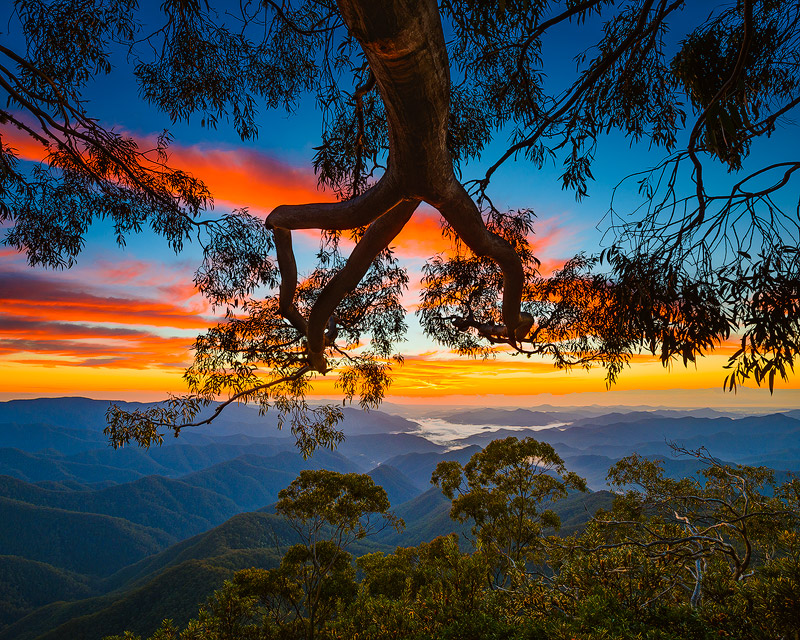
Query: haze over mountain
{"x": 88, "y": 414}
{"x": 110, "y": 534}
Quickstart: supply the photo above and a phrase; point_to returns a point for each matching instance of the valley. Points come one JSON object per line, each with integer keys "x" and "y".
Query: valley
{"x": 95, "y": 540}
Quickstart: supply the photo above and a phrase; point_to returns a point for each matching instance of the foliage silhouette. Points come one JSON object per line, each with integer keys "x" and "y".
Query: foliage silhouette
{"x": 409, "y": 94}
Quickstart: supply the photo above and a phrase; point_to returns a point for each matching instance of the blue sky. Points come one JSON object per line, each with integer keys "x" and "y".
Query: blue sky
{"x": 147, "y": 270}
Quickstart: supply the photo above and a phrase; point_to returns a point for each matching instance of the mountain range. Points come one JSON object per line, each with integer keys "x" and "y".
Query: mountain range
{"x": 95, "y": 540}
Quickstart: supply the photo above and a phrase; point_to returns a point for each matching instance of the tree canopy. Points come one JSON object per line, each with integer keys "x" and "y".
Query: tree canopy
{"x": 729, "y": 533}
{"x": 506, "y": 491}
{"x": 409, "y": 93}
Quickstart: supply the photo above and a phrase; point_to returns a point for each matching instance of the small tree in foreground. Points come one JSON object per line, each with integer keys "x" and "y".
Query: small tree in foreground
{"x": 328, "y": 511}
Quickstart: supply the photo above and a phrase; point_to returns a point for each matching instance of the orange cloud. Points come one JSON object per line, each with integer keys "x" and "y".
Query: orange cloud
{"x": 33, "y": 342}
{"x": 24, "y": 146}
{"x": 437, "y": 376}
{"x": 248, "y": 178}
{"x": 236, "y": 176}
{"x": 28, "y": 294}
{"x": 422, "y": 236}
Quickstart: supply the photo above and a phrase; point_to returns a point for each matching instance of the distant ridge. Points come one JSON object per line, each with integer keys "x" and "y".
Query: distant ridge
{"x": 253, "y": 481}
{"x": 88, "y": 414}
{"x": 36, "y": 437}
{"x": 418, "y": 467}
{"x": 38, "y": 467}
{"x": 512, "y": 418}
{"x": 70, "y": 412}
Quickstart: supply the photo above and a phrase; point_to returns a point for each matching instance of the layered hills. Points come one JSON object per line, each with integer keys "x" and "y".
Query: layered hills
{"x": 94, "y": 541}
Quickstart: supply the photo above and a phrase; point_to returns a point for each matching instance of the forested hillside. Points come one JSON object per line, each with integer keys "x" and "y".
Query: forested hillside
{"x": 714, "y": 554}
{"x": 118, "y": 540}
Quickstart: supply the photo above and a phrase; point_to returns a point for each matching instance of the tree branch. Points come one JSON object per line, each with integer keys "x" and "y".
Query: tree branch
{"x": 377, "y": 237}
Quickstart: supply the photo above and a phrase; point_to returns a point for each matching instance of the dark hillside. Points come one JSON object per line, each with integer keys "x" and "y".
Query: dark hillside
{"x": 427, "y": 516}
{"x": 27, "y": 584}
{"x": 399, "y": 487}
{"x": 175, "y": 507}
{"x": 81, "y": 542}
{"x": 244, "y": 532}
{"x": 170, "y": 584}
{"x": 176, "y": 594}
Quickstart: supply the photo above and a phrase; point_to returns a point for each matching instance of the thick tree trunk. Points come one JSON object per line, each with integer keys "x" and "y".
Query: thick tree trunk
{"x": 405, "y": 47}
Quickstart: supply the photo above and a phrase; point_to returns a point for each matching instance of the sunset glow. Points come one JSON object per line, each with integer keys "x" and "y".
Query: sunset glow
{"x": 125, "y": 329}
{"x": 132, "y": 374}
{"x": 122, "y": 325}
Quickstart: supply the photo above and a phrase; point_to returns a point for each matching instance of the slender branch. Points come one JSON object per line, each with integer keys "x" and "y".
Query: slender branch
{"x": 578, "y": 90}
{"x": 293, "y": 25}
{"x": 723, "y": 91}
{"x": 377, "y": 237}
{"x": 544, "y": 26}
{"x": 242, "y": 394}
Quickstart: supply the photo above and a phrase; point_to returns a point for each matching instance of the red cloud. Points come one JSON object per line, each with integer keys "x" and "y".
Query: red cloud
{"x": 28, "y": 294}
{"x": 33, "y": 341}
{"x": 23, "y": 145}
{"x": 247, "y": 178}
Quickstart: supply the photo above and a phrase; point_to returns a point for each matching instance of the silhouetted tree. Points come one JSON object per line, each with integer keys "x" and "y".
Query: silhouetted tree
{"x": 410, "y": 91}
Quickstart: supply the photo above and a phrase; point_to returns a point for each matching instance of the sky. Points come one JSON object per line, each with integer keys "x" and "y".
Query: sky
{"x": 120, "y": 324}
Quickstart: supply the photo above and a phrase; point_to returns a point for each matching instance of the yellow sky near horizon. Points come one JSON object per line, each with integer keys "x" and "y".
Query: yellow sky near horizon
{"x": 120, "y": 325}
{"x": 423, "y": 378}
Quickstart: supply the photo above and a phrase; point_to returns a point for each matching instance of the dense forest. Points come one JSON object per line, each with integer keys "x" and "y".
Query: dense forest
{"x": 119, "y": 540}
{"x": 709, "y": 556}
